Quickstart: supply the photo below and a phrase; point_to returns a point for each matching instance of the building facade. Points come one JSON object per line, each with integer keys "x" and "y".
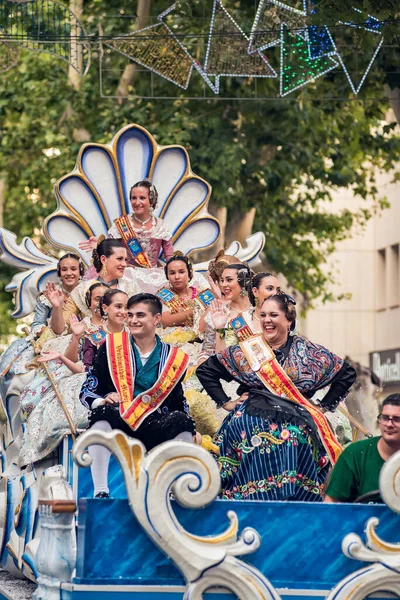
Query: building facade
{"x": 365, "y": 324}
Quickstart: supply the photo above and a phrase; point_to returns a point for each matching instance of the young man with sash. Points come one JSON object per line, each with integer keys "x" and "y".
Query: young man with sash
{"x": 135, "y": 386}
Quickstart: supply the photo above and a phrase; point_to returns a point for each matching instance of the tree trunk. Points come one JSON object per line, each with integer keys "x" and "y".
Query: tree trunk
{"x": 74, "y": 78}
{"x": 394, "y": 99}
{"x": 128, "y": 76}
{"x": 221, "y": 215}
{"x": 240, "y": 227}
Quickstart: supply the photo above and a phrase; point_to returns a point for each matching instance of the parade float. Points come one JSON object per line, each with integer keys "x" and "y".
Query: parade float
{"x": 163, "y": 533}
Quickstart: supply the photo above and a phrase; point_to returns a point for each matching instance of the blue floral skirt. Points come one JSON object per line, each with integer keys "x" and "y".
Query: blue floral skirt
{"x": 263, "y": 459}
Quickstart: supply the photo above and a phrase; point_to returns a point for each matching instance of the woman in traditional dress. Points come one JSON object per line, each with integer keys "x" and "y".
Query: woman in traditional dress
{"x": 183, "y": 305}
{"x": 144, "y": 236}
{"x": 275, "y": 444}
{"x": 46, "y": 423}
{"x": 21, "y": 352}
{"x": 109, "y": 261}
{"x": 239, "y": 309}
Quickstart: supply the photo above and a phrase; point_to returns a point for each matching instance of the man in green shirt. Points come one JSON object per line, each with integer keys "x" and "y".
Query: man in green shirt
{"x": 357, "y": 470}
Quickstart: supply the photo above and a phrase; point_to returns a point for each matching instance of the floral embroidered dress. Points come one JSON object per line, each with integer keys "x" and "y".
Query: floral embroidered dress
{"x": 45, "y": 422}
{"x": 153, "y": 241}
{"x": 269, "y": 446}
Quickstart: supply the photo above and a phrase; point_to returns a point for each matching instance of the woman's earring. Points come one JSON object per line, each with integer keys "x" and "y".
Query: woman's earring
{"x": 104, "y": 270}
{"x": 105, "y": 316}
{"x": 243, "y": 292}
{"x": 256, "y": 300}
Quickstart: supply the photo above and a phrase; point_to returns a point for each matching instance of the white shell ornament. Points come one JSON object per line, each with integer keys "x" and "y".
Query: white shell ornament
{"x": 97, "y": 191}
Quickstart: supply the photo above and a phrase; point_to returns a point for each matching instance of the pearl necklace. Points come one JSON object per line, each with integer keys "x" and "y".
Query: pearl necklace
{"x": 142, "y": 223}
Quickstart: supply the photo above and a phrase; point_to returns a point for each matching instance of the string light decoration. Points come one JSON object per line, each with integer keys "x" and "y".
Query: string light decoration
{"x": 9, "y": 56}
{"x": 227, "y": 52}
{"x": 46, "y": 26}
{"x": 271, "y": 14}
{"x": 354, "y": 37}
{"x": 154, "y": 48}
{"x": 297, "y": 68}
{"x": 195, "y": 62}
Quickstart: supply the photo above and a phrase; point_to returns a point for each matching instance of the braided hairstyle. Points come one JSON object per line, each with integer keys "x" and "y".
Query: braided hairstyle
{"x": 181, "y": 257}
{"x": 221, "y": 261}
{"x": 153, "y": 194}
{"x": 255, "y": 283}
{"x": 107, "y": 298}
{"x": 90, "y": 290}
{"x": 244, "y": 275}
{"x": 75, "y": 257}
{"x": 287, "y": 305}
{"x": 105, "y": 248}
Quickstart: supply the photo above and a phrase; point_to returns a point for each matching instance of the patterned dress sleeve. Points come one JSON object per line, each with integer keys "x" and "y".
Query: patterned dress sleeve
{"x": 88, "y": 353}
{"x": 98, "y": 382}
{"x": 168, "y": 249}
{"x": 113, "y": 232}
{"x": 41, "y": 316}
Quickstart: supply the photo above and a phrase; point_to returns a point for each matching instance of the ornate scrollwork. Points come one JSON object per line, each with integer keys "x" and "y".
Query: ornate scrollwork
{"x": 192, "y": 475}
{"x": 384, "y": 574}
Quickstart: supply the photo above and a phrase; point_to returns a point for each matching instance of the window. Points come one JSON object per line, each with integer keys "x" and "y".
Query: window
{"x": 381, "y": 280}
{"x": 393, "y": 280}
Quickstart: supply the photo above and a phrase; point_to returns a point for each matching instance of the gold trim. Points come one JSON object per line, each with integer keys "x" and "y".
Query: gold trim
{"x": 228, "y": 535}
{"x": 124, "y": 447}
{"x": 202, "y": 218}
{"x": 39, "y": 262}
{"x": 82, "y": 177}
{"x": 113, "y": 147}
{"x": 257, "y": 587}
{"x": 137, "y": 461}
{"x": 386, "y": 547}
{"x": 176, "y": 189}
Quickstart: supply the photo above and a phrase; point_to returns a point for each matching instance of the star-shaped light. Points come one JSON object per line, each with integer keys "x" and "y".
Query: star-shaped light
{"x": 227, "y": 51}
{"x": 271, "y": 14}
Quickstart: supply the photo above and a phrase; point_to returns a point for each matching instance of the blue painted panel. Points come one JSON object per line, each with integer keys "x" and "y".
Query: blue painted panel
{"x": 166, "y": 594}
{"x": 301, "y": 542}
{"x": 116, "y": 481}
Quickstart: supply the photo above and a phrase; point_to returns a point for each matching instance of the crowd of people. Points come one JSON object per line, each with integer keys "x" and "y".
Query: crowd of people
{"x": 126, "y": 343}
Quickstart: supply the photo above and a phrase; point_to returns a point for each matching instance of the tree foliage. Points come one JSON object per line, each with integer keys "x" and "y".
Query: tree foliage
{"x": 283, "y": 156}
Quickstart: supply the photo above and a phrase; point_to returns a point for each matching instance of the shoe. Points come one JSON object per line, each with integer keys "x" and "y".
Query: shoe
{"x": 102, "y": 495}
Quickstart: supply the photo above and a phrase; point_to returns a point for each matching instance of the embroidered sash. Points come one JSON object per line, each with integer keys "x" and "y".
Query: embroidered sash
{"x": 128, "y": 236}
{"x": 263, "y": 362}
{"x": 241, "y": 328}
{"x": 205, "y": 298}
{"x": 135, "y": 410}
{"x": 173, "y": 302}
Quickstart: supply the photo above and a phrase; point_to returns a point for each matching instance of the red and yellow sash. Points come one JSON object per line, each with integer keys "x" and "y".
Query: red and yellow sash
{"x": 128, "y": 236}
{"x": 135, "y": 410}
{"x": 241, "y": 328}
{"x": 263, "y": 362}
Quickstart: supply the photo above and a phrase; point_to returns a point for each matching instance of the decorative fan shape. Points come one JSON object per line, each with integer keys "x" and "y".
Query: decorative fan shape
{"x": 37, "y": 270}
{"x": 97, "y": 192}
